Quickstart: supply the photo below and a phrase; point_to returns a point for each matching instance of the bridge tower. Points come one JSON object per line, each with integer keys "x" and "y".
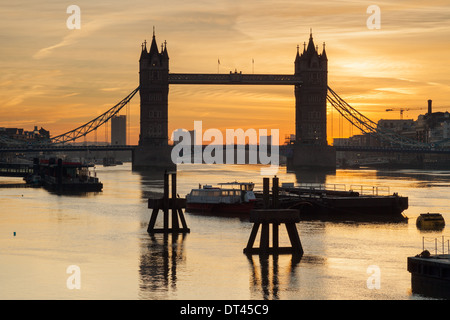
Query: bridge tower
{"x": 153, "y": 150}
{"x": 311, "y": 96}
{"x": 311, "y": 146}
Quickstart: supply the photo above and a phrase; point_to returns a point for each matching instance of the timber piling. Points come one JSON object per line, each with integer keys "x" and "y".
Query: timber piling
{"x": 166, "y": 204}
{"x": 273, "y": 215}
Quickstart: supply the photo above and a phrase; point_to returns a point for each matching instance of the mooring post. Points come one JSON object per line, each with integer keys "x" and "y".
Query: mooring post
{"x": 264, "y": 241}
{"x": 252, "y": 238}
{"x": 175, "y": 224}
{"x": 294, "y": 238}
{"x": 275, "y": 191}
{"x": 275, "y": 243}
{"x": 166, "y": 201}
{"x": 151, "y": 224}
{"x": 265, "y": 217}
{"x": 165, "y": 204}
{"x": 266, "y": 195}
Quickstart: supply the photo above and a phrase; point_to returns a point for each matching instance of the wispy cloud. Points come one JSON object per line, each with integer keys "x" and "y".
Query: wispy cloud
{"x": 73, "y": 36}
{"x": 111, "y": 89}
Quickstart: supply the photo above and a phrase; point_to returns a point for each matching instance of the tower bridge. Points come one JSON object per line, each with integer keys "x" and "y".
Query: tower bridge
{"x": 311, "y": 90}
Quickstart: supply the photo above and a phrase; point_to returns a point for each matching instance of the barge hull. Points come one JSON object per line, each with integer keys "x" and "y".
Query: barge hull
{"x": 365, "y": 208}
{"x": 74, "y": 187}
{"x": 430, "y": 276}
{"x": 348, "y": 207}
{"x": 220, "y": 208}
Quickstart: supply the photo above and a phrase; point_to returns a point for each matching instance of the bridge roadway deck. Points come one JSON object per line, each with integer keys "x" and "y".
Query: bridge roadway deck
{"x": 234, "y": 78}
{"x": 393, "y": 149}
{"x": 283, "y": 149}
{"x": 59, "y": 148}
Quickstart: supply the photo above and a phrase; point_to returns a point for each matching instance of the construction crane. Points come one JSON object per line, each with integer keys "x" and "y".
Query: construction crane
{"x": 403, "y": 110}
{"x": 407, "y": 109}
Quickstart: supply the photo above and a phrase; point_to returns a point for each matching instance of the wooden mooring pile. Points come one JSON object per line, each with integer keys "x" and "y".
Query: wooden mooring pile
{"x": 273, "y": 215}
{"x": 166, "y": 204}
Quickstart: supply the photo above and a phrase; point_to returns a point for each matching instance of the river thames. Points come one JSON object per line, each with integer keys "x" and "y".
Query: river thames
{"x": 104, "y": 235}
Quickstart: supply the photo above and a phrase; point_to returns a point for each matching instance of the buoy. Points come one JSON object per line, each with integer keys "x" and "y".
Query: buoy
{"x": 430, "y": 221}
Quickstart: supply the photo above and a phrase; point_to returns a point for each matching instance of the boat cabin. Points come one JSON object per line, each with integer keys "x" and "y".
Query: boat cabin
{"x": 210, "y": 194}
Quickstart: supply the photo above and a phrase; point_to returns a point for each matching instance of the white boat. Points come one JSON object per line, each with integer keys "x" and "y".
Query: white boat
{"x": 231, "y": 198}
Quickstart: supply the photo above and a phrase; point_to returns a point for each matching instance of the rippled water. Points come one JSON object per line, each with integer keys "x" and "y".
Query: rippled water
{"x": 104, "y": 234}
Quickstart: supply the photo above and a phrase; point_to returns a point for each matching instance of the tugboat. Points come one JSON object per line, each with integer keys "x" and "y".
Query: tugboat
{"x": 232, "y": 198}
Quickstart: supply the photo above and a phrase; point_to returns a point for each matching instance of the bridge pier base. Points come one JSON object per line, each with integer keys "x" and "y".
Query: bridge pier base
{"x": 147, "y": 158}
{"x": 313, "y": 156}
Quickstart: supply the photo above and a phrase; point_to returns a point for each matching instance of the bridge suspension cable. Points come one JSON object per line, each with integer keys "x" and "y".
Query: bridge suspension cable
{"x": 367, "y": 126}
{"x": 92, "y": 125}
{"x": 355, "y": 118}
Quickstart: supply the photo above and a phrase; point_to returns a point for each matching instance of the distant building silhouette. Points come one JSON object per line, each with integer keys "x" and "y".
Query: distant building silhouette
{"x": 119, "y": 130}
{"x": 432, "y": 127}
{"x": 23, "y": 135}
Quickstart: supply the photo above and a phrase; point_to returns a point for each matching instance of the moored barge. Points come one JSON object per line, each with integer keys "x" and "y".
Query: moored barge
{"x": 430, "y": 273}
{"x": 64, "y": 176}
{"x": 319, "y": 203}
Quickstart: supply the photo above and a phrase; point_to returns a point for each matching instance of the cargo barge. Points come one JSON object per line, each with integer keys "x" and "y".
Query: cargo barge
{"x": 320, "y": 203}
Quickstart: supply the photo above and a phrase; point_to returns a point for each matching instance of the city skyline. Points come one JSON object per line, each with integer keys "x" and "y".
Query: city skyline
{"x": 58, "y": 78}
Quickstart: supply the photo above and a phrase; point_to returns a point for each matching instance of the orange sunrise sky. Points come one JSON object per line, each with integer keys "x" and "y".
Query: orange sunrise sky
{"x": 57, "y": 78}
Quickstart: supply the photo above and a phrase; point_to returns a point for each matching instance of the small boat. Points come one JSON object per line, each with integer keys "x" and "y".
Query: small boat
{"x": 430, "y": 221}
{"x": 231, "y": 198}
{"x": 64, "y": 176}
{"x": 108, "y": 162}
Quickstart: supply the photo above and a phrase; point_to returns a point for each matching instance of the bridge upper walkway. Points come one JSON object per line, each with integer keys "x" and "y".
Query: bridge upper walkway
{"x": 234, "y": 78}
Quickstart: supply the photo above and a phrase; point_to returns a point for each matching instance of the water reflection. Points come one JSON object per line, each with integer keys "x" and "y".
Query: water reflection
{"x": 424, "y": 178}
{"x": 266, "y": 278}
{"x": 161, "y": 255}
{"x": 152, "y": 183}
{"x": 317, "y": 176}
